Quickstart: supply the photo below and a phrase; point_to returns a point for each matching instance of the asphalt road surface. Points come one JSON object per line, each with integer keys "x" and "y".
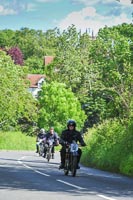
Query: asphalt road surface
{"x": 26, "y": 176}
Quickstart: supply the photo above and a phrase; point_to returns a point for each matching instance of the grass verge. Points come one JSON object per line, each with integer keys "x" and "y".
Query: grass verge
{"x": 16, "y": 141}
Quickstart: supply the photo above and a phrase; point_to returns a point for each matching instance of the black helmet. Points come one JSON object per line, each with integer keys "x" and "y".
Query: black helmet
{"x": 71, "y": 122}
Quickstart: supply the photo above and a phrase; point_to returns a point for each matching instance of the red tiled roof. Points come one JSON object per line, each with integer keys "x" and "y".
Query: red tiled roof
{"x": 34, "y": 78}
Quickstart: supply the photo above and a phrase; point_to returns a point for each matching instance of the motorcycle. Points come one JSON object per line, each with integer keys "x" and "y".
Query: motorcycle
{"x": 48, "y": 149}
{"x": 41, "y": 146}
{"x": 71, "y": 158}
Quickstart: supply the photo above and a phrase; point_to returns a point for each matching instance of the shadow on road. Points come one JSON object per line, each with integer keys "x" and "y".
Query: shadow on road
{"x": 17, "y": 176}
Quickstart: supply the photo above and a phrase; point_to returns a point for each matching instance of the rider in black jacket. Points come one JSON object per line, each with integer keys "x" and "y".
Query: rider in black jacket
{"x": 69, "y": 135}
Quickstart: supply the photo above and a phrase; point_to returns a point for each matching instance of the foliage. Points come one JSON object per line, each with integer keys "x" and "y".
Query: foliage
{"x": 15, "y": 101}
{"x": 7, "y": 38}
{"x": 16, "y": 55}
{"x": 35, "y": 65}
{"x": 16, "y": 141}
{"x": 115, "y": 75}
{"x": 98, "y": 71}
{"x": 110, "y": 147}
{"x": 35, "y": 42}
{"x": 58, "y": 104}
{"x": 126, "y": 166}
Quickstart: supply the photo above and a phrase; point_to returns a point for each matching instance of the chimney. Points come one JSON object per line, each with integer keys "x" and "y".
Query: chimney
{"x": 48, "y": 59}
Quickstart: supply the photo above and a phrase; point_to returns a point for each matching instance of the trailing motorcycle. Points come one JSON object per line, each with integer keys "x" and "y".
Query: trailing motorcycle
{"x": 48, "y": 149}
{"x": 41, "y": 144}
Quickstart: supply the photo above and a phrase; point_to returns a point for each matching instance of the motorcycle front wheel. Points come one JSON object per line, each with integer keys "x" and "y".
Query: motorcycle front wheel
{"x": 74, "y": 166}
{"x": 66, "y": 168}
{"x": 48, "y": 154}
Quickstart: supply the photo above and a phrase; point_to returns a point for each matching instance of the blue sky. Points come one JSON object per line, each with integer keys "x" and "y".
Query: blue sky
{"x": 48, "y": 14}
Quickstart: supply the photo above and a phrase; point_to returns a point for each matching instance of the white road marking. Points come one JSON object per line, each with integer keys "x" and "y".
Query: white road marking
{"x": 72, "y": 185}
{"x": 75, "y": 186}
{"x": 40, "y": 173}
{"x": 105, "y": 197}
{"x": 19, "y": 161}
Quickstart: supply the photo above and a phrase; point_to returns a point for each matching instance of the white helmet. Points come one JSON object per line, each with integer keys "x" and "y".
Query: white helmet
{"x": 42, "y": 130}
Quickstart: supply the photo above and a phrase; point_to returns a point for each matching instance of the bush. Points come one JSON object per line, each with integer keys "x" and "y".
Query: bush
{"x": 126, "y": 166}
{"x": 109, "y": 147}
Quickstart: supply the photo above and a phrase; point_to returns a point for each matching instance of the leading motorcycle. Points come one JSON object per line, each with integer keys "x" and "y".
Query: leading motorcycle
{"x": 71, "y": 158}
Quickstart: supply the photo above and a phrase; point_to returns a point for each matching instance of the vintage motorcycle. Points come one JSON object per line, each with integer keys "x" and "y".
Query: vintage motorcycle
{"x": 41, "y": 144}
{"x": 48, "y": 149}
{"x": 71, "y": 158}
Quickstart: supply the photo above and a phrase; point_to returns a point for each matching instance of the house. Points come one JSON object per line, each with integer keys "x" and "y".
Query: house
{"x": 36, "y": 81}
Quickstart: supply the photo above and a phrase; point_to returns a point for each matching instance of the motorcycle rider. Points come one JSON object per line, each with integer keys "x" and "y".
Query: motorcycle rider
{"x": 40, "y": 135}
{"x": 69, "y": 135}
{"x": 51, "y": 135}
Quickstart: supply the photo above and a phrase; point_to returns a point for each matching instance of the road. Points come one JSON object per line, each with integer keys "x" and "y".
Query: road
{"x": 24, "y": 176}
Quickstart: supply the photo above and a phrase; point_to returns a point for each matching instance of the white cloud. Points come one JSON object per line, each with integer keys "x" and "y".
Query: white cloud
{"x": 93, "y": 2}
{"x": 6, "y": 11}
{"x": 121, "y": 19}
{"x": 88, "y": 11}
{"x": 89, "y": 19}
{"x": 82, "y": 20}
{"x": 30, "y": 7}
{"x": 46, "y": 1}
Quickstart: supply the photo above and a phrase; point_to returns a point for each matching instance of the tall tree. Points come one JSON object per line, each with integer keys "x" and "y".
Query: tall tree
{"x": 57, "y": 104}
{"x": 15, "y": 100}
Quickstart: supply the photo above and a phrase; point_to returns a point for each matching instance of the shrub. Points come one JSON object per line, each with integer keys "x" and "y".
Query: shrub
{"x": 126, "y": 166}
{"x": 109, "y": 147}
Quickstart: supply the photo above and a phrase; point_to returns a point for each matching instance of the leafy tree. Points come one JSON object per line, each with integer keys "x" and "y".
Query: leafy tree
{"x": 74, "y": 66}
{"x": 15, "y": 101}
{"x": 36, "y": 43}
{"x": 71, "y": 64}
{"x": 6, "y": 38}
{"x": 114, "y": 61}
{"x": 35, "y": 65}
{"x": 16, "y": 55}
{"x": 58, "y": 104}
{"x": 98, "y": 71}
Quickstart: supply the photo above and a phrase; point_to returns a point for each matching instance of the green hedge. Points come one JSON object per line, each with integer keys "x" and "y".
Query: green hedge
{"x": 110, "y": 147}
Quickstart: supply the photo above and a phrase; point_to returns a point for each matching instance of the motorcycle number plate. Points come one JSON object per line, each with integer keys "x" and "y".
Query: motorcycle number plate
{"x": 74, "y": 148}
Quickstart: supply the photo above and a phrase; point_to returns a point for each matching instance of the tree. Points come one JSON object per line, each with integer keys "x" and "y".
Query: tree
{"x": 16, "y": 55}
{"x": 71, "y": 64}
{"x": 98, "y": 71}
{"x": 35, "y": 43}
{"x": 112, "y": 53}
{"x": 35, "y": 65}
{"x": 7, "y": 38}
{"x": 15, "y": 100}
{"x": 58, "y": 104}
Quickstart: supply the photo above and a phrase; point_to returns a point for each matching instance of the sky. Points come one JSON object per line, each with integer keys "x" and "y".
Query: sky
{"x": 90, "y": 15}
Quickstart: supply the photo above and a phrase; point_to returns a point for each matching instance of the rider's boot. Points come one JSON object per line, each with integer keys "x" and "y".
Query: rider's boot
{"x": 37, "y": 149}
{"x": 61, "y": 166}
{"x": 78, "y": 167}
{"x": 44, "y": 155}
